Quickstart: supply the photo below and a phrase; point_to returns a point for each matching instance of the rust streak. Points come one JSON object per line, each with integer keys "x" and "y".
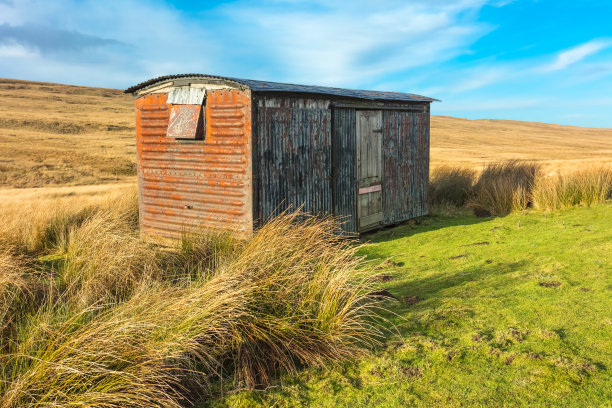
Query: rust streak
{"x": 205, "y": 183}
{"x": 234, "y": 115}
{"x": 237, "y": 125}
{"x": 183, "y": 203}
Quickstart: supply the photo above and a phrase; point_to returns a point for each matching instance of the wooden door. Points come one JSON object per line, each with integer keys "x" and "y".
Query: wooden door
{"x": 369, "y": 169}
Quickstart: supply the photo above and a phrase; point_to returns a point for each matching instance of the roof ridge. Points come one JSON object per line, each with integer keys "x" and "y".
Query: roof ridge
{"x": 269, "y": 86}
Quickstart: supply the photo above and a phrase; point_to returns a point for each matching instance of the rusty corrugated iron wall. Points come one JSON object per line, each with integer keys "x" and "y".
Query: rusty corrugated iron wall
{"x": 188, "y": 184}
{"x": 405, "y": 164}
{"x": 344, "y": 182}
{"x": 292, "y": 155}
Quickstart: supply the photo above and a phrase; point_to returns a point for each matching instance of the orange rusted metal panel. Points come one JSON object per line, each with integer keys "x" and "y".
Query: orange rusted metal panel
{"x": 189, "y": 184}
{"x": 185, "y": 122}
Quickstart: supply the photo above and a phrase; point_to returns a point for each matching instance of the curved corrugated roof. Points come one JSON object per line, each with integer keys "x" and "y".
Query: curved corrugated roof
{"x": 267, "y": 86}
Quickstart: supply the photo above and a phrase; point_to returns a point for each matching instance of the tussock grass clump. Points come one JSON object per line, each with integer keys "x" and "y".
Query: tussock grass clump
{"x": 113, "y": 320}
{"x": 12, "y": 270}
{"x": 103, "y": 259}
{"x": 202, "y": 253}
{"x": 587, "y": 186}
{"x": 14, "y": 289}
{"x": 306, "y": 304}
{"x": 142, "y": 353}
{"x": 504, "y": 187}
{"x": 36, "y": 225}
{"x": 450, "y": 185}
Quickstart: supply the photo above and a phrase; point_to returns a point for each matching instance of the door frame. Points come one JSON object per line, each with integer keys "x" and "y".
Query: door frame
{"x": 377, "y": 218}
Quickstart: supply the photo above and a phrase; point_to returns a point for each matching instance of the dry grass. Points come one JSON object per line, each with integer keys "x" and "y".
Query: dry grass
{"x": 501, "y": 188}
{"x": 140, "y": 353}
{"x": 450, "y": 185}
{"x": 54, "y": 134}
{"x": 556, "y": 148}
{"x": 14, "y": 287}
{"x": 504, "y": 187}
{"x": 95, "y": 316}
{"x": 586, "y": 186}
{"x": 34, "y": 219}
{"x": 313, "y": 287}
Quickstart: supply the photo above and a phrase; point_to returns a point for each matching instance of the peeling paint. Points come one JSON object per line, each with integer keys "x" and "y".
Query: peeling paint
{"x": 195, "y": 184}
{"x": 266, "y": 153}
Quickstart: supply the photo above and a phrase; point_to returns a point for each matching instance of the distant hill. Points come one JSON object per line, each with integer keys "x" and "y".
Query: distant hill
{"x": 53, "y": 134}
{"x": 475, "y": 142}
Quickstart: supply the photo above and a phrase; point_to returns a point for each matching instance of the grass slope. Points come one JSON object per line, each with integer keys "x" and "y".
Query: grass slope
{"x": 511, "y": 311}
{"x": 52, "y": 134}
{"x": 476, "y": 142}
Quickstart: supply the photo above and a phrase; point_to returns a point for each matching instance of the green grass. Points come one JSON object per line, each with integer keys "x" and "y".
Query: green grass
{"x": 512, "y": 311}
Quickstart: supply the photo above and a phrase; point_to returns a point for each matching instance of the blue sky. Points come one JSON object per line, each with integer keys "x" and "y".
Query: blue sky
{"x": 536, "y": 60}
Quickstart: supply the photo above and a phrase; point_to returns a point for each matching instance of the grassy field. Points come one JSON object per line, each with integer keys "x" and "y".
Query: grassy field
{"x": 486, "y": 311}
{"x": 95, "y": 316}
{"x": 476, "y": 142}
{"x": 509, "y": 311}
{"x": 53, "y": 134}
{"x": 494, "y": 311}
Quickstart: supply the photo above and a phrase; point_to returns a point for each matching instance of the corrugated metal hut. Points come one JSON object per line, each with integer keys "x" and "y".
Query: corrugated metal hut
{"x": 218, "y": 152}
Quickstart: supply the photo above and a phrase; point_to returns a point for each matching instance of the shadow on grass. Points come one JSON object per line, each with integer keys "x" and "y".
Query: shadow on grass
{"x": 419, "y": 225}
{"x": 435, "y": 298}
{"x": 430, "y": 286}
{"x": 444, "y": 299}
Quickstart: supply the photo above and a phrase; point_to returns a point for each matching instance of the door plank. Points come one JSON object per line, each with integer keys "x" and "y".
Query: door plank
{"x": 369, "y": 168}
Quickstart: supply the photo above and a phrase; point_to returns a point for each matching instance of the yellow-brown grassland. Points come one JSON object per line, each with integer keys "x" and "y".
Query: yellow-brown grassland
{"x": 500, "y": 297}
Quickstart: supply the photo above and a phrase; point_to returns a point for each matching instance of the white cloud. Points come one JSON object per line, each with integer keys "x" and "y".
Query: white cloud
{"x": 333, "y": 42}
{"x": 17, "y": 51}
{"x": 480, "y": 79}
{"x": 153, "y": 40}
{"x": 531, "y": 70}
{"x": 348, "y": 44}
{"x": 577, "y": 54}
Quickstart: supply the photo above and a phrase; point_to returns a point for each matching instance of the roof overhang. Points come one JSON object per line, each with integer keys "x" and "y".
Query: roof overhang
{"x": 169, "y": 81}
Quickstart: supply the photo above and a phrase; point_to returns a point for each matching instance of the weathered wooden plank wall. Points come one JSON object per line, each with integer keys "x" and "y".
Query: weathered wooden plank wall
{"x": 344, "y": 151}
{"x": 292, "y": 156}
{"x": 305, "y": 156}
{"x": 405, "y": 164}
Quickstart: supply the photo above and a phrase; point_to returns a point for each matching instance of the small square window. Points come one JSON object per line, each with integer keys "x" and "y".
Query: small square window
{"x": 186, "y": 122}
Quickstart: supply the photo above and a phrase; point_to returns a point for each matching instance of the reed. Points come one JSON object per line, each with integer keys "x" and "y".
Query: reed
{"x": 450, "y": 185}
{"x": 504, "y": 187}
{"x": 585, "y": 186}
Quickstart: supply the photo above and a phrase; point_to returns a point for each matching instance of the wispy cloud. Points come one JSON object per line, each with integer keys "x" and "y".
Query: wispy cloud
{"x": 463, "y": 79}
{"x": 112, "y": 43}
{"x": 441, "y": 48}
{"x": 357, "y": 44}
{"x": 50, "y": 40}
{"x": 351, "y": 43}
{"x": 577, "y": 54}
{"x": 480, "y": 79}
